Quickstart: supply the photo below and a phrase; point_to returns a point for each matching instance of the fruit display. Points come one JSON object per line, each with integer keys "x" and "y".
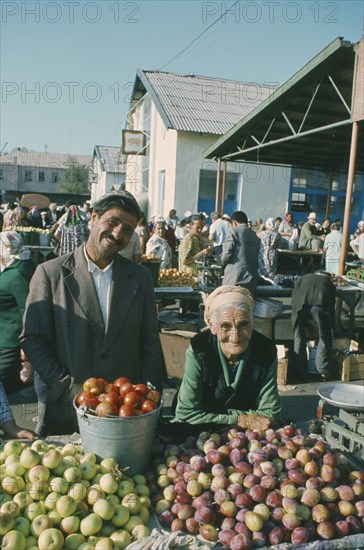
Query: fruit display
{"x": 338, "y": 280}
{"x": 55, "y": 497}
{"x": 175, "y": 278}
{"x": 121, "y": 398}
{"x": 150, "y": 258}
{"x": 250, "y": 489}
{"x": 29, "y": 230}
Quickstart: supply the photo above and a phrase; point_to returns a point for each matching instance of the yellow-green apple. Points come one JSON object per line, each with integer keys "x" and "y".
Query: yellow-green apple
{"x": 144, "y": 514}
{"x": 69, "y": 449}
{"x": 132, "y": 522}
{"x": 59, "y": 485}
{"x": 61, "y": 468}
{"x": 51, "y": 500}
{"x": 107, "y": 464}
{"x": 40, "y": 446}
{"x": 140, "y": 531}
{"x": 23, "y": 499}
{"x": 70, "y": 460}
{"x": 70, "y": 525}
{"x": 13, "y": 484}
{"x": 88, "y": 469}
{"x": 51, "y": 539}
{"x": 23, "y": 525}
{"x": 121, "y": 516}
{"x": 132, "y": 502}
{"x": 121, "y": 537}
{"x": 90, "y": 525}
{"x": 14, "y": 540}
{"x": 74, "y": 541}
{"x": 104, "y": 509}
{"x": 55, "y": 517}
{"x": 13, "y": 447}
{"x": 94, "y": 493}
{"x": 91, "y": 457}
{"x": 66, "y": 506}
{"x": 145, "y": 501}
{"x": 51, "y": 459}
{"x": 39, "y": 524}
{"x": 14, "y": 469}
{"x": 32, "y": 542}
{"x": 115, "y": 500}
{"x": 38, "y": 490}
{"x": 38, "y": 473}
{"x": 126, "y": 487}
{"x": 108, "y": 483}
{"x": 29, "y": 458}
{"x": 34, "y": 509}
{"x": 72, "y": 474}
{"x": 96, "y": 480}
{"x": 106, "y": 543}
{"x": 6, "y": 523}
{"x": 77, "y": 491}
{"x": 139, "y": 479}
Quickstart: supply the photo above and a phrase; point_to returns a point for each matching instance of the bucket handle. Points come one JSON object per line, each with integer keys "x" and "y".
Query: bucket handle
{"x": 83, "y": 413}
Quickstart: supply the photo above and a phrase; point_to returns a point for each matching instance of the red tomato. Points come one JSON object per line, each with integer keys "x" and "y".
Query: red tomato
{"x": 120, "y": 381}
{"x": 125, "y": 388}
{"x": 127, "y": 410}
{"x": 94, "y": 385}
{"x": 133, "y": 398}
{"x": 111, "y": 388}
{"x": 106, "y": 408}
{"x": 142, "y": 389}
{"x": 148, "y": 406}
{"x": 154, "y": 395}
{"x": 87, "y": 399}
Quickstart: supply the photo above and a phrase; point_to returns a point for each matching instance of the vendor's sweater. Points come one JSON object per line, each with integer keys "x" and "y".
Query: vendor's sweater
{"x": 208, "y": 393}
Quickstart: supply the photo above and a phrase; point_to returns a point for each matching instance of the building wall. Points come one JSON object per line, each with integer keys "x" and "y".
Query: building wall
{"x": 35, "y": 179}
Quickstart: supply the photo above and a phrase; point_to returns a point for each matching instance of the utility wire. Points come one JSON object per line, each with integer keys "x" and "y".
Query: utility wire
{"x": 199, "y": 36}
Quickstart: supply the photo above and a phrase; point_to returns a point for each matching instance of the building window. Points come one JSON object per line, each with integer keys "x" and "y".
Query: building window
{"x": 41, "y": 176}
{"x": 54, "y": 177}
{"x": 28, "y": 175}
{"x": 1, "y": 173}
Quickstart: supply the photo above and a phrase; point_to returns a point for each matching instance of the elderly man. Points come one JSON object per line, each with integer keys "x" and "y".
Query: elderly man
{"x": 91, "y": 313}
{"x": 309, "y": 232}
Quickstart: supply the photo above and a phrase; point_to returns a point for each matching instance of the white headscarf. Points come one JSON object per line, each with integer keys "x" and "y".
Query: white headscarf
{"x": 12, "y": 248}
{"x": 226, "y": 295}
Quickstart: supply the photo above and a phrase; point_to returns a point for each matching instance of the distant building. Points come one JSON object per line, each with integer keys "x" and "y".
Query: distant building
{"x": 181, "y": 116}
{"x": 35, "y": 172}
{"x": 108, "y": 170}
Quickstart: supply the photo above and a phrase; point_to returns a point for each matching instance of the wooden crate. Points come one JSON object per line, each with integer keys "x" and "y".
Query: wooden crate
{"x": 174, "y": 345}
{"x": 349, "y": 367}
{"x": 282, "y": 370}
{"x": 264, "y": 326}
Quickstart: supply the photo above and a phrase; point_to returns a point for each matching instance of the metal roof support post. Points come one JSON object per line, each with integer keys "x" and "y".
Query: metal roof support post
{"x": 223, "y": 188}
{"x": 329, "y": 193}
{"x": 349, "y": 193}
{"x": 217, "y": 200}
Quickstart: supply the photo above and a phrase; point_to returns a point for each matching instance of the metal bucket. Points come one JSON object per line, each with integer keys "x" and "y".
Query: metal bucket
{"x": 129, "y": 439}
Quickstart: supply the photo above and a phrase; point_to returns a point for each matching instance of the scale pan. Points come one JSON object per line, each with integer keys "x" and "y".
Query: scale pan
{"x": 345, "y": 396}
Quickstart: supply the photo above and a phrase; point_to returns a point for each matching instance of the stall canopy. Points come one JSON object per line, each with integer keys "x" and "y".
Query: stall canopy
{"x": 306, "y": 122}
{"x": 313, "y": 120}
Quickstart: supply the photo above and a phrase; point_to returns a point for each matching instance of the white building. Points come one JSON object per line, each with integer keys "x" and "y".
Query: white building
{"x": 181, "y": 116}
{"x": 108, "y": 170}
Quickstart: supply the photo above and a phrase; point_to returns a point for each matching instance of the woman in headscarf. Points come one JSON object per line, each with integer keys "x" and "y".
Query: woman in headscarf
{"x": 270, "y": 240}
{"x": 159, "y": 246}
{"x": 231, "y": 370}
{"x": 191, "y": 248}
{"x": 73, "y": 232}
{"x": 17, "y": 269}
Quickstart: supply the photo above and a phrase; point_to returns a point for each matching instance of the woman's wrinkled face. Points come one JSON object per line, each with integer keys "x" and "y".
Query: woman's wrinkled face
{"x": 234, "y": 328}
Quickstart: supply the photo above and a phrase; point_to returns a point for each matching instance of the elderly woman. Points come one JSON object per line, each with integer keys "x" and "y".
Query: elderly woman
{"x": 73, "y": 232}
{"x": 270, "y": 240}
{"x": 231, "y": 370}
{"x": 17, "y": 269}
{"x": 159, "y": 246}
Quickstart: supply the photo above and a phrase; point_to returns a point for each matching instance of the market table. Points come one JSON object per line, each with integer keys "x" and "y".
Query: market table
{"x": 290, "y": 259}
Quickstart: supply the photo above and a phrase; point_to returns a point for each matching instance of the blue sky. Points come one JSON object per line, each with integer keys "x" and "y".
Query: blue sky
{"x": 67, "y": 67}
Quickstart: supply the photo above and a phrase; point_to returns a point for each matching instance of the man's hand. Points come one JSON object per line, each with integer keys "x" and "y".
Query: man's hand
{"x": 12, "y": 431}
{"x": 254, "y": 422}
{"x": 26, "y": 434}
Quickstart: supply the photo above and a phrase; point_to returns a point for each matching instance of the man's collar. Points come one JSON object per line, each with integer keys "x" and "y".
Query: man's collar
{"x": 92, "y": 266}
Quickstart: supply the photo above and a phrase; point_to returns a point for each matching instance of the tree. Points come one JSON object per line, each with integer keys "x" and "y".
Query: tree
{"x": 75, "y": 179}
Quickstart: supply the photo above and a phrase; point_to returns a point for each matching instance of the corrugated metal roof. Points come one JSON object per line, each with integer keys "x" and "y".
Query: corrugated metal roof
{"x": 42, "y": 159}
{"x": 110, "y": 157}
{"x": 199, "y": 103}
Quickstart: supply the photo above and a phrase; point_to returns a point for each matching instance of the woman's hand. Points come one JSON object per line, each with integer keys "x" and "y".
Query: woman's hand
{"x": 254, "y": 422}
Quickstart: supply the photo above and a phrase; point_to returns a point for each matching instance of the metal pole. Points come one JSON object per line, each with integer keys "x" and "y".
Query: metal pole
{"x": 329, "y": 193}
{"x": 217, "y": 185}
{"x": 349, "y": 193}
{"x": 223, "y": 188}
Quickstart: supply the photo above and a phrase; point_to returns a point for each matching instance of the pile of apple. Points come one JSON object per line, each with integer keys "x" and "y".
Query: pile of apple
{"x": 254, "y": 488}
{"x": 55, "y": 497}
{"x": 120, "y": 398}
{"x": 175, "y": 278}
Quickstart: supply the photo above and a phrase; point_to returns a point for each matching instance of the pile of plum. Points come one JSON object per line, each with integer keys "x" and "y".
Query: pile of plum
{"x": 254, "y": 488}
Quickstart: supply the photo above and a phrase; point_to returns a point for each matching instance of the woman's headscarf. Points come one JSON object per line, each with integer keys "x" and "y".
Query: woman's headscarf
{"x": 269, "y": 224}
{"x": 73, "y": 216}
{"x": 12, "y": 247}
{"x": 226, "y": 295}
